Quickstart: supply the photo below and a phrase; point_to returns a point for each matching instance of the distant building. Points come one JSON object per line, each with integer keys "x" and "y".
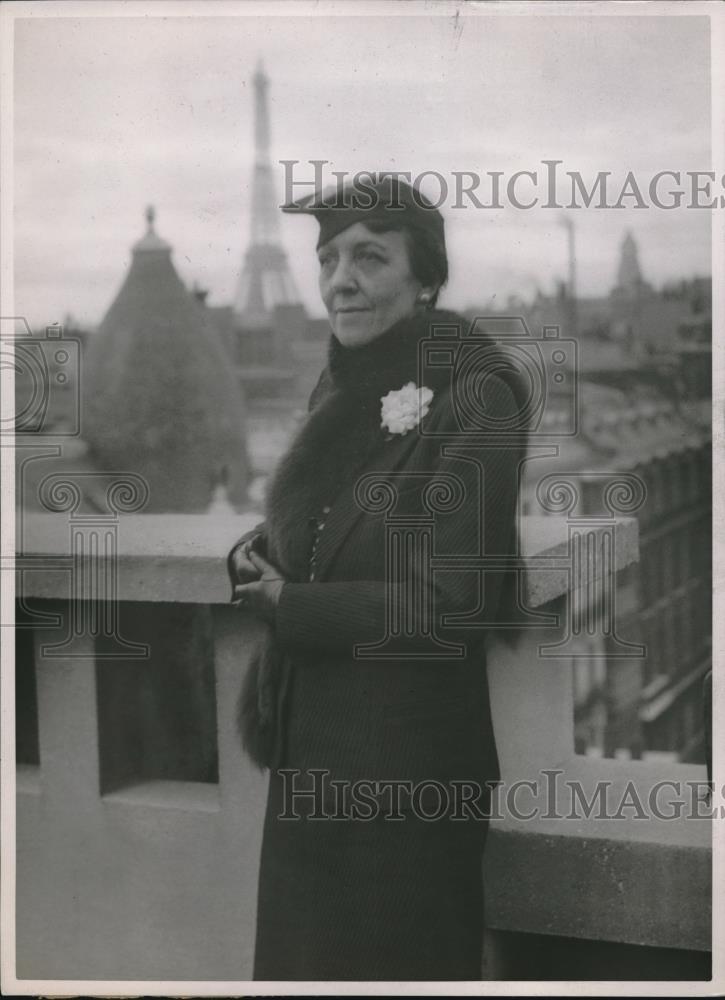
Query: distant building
{"x": 275, "y": 351}
{"x": 644, "y": 320}
{"x": 159, "y": 397}
{"x": 654, "y": 704}
{"x": 630, "y": 282}
{"x": 266, "y": 280}
{"x": 266, "y": 318}
{"x": 645, "y": 383}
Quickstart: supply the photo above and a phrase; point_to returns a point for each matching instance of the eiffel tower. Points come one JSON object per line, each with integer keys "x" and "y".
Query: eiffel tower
{"x": 266, "y": 280}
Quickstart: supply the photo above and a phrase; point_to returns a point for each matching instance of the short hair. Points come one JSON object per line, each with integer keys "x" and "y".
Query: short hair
{"x": 427, "y": 252}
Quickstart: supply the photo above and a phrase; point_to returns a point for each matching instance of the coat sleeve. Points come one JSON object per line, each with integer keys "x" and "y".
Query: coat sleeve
{"x": 337, "y": 615}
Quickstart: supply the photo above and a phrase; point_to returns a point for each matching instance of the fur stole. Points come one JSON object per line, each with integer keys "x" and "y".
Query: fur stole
{"x": 339, "y": 437}
{"x": 334, "y": 442}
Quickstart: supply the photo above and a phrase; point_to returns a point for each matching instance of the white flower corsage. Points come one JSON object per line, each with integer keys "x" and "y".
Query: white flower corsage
{"x": 403, "y": 409}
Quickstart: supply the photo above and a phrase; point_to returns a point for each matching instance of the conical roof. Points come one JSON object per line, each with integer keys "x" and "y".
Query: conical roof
{"x": 160, "y": 396}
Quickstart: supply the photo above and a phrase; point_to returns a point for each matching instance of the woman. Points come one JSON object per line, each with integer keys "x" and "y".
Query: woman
{"x": 365, "y": 884}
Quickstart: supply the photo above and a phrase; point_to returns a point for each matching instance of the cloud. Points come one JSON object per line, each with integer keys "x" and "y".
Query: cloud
{"x": 160, "y": 109}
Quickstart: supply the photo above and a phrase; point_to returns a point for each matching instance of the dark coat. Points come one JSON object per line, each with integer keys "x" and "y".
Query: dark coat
{"x": 418, "y": 709}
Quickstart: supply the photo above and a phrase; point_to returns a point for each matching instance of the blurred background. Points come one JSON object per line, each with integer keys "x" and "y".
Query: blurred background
{"x": 148, "y": 239}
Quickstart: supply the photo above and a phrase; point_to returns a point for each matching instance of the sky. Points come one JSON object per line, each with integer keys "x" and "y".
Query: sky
{"x": 114, "y": 113}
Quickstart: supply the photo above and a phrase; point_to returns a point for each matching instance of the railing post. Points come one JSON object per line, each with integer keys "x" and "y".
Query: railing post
{"x": 242, "y": 787}
{"x": 68, "y": 724}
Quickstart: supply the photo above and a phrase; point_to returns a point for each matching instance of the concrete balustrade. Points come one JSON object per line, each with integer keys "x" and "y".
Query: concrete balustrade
{"x": 157, "y": 879}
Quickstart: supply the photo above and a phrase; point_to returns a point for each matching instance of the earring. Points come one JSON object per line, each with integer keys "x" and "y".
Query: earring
{"x": 424, "y": 298}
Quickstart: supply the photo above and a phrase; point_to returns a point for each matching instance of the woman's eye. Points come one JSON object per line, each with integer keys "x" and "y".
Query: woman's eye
{"x": 369, "y": 255}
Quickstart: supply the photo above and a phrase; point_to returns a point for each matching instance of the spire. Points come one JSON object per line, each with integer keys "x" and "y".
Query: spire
{"x": 150, "y": 241}
{"x": 265, "y": 213}
{"x": 261, "y": 115}
{"x": 629, "y": 275}
{"x": 266, "y": 280}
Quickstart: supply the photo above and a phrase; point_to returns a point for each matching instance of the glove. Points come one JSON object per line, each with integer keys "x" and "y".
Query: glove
{"x": 260, "y": 596}
{"x": 241, "y": 567}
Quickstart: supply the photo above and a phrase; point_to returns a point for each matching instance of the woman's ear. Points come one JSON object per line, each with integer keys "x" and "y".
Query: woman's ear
{"x": 427, "y": 295}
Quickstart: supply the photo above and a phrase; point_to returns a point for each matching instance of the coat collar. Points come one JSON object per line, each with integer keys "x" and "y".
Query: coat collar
{"x": 392, "y": 359}
{"x": 369, "y": 372}
{"x": 343, "y": 438}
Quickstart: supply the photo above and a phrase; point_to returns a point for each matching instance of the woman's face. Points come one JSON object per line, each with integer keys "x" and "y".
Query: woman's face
{"x": 366, "y": 283}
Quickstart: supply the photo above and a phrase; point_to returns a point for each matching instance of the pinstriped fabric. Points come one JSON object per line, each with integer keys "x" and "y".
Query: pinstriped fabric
{"x": 350, "y": 556}
{"x": 370, "y": 901}
{"x": 387, "y": 900}
{"x": 383, "y": 899}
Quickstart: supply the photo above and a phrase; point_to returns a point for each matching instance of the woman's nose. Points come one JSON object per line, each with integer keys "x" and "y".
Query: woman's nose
{"x": 343, "y": 277}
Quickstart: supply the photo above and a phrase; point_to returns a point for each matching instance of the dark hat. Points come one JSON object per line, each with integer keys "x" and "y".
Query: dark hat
{"x": 367, "y": 196}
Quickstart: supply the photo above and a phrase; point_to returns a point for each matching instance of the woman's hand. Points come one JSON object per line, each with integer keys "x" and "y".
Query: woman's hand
{"x": 244, "y": 569}
{"x": 260, "y": 596}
